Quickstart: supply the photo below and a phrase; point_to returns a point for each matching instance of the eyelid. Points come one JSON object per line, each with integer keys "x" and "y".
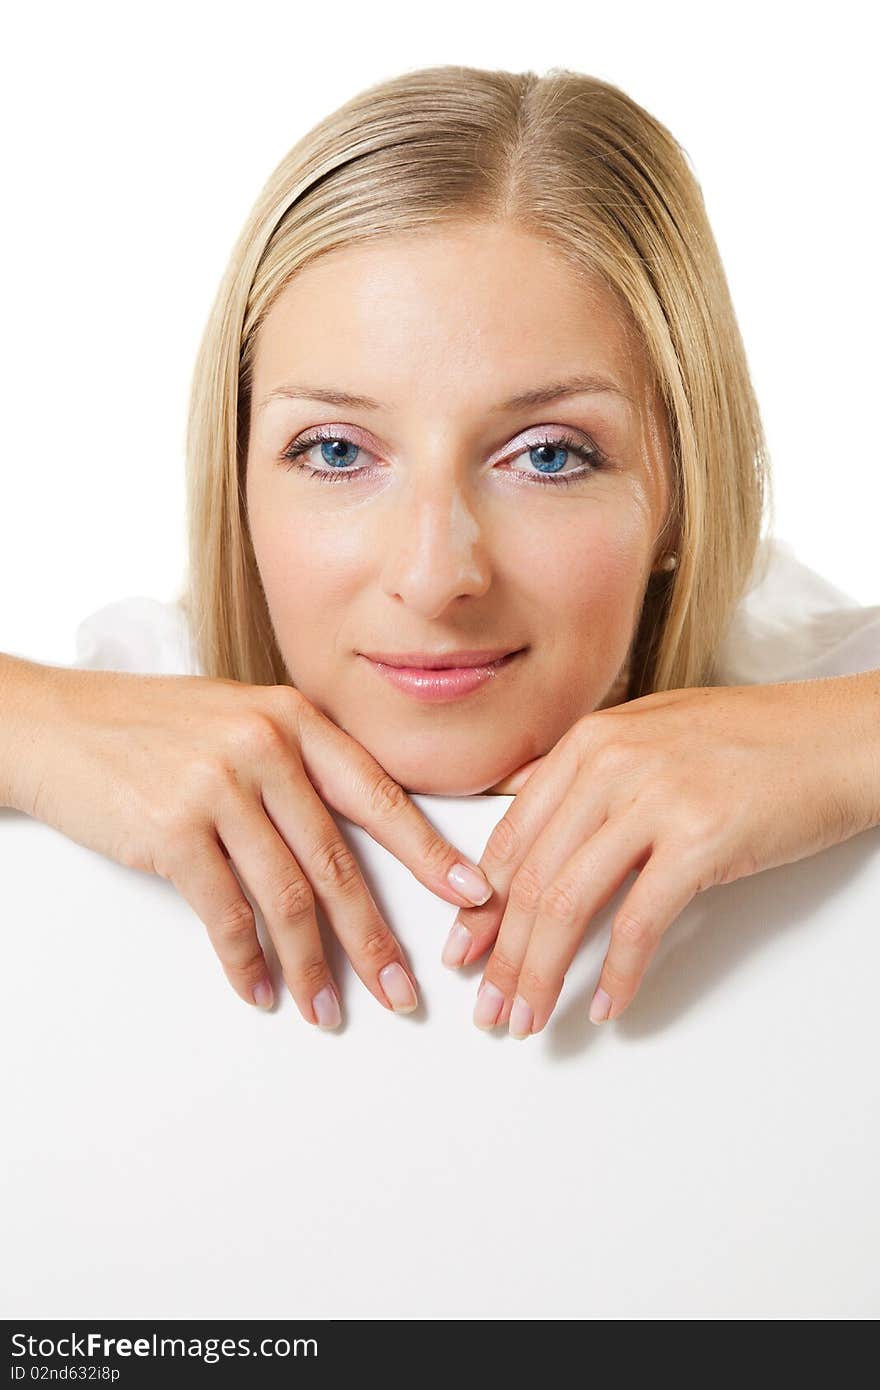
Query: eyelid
{"x": 331, "y": 431}
{"x": 520, "y": 441}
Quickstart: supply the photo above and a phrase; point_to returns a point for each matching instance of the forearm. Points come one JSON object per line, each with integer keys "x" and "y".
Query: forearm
{"x": 28, "y": 707}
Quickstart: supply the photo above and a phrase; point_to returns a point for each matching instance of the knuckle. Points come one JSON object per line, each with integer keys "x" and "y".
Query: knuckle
{"x": 619, "y": 983}
{"x": 503, "y": 843}
{"x": 387, "y": 798}
{"x": 313, "y": 973}
{"x": 634, "y": 931}
{"x": 699, "y": 824}
{"x": 578, "y": 741}
{"x": 236, "y": 925}
{"x": 171, "y": 824}
{"x": 258, "y": 736}
{"x": 166, "y": 859}
{"x": 251, "y": 968}
{"x": 533, "y": 983}
{"x": 704, "y": 859}
{"x": 526, "y": 889}
{"x": 501, "y": 970}
{"x": 611, "y": 759}
{"x": 438, "y": 856}
{"x": 558, "y": 902}
{"x": 377, "y": 945}
{"x": 335, "y": 867}
{"x": 289, "y": 710}
{"x": 283, "y": 699}
{"x": 293, "y": 899}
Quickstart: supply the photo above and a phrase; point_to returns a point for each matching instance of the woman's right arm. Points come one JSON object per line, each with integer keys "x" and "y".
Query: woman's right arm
{"x": 186, "y": 776}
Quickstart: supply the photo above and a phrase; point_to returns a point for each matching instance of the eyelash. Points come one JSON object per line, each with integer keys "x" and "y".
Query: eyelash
{"x": 589, "y": 453}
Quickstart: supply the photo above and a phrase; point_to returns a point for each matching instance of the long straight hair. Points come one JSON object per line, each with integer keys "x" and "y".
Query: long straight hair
{"x": 576, "y": 162}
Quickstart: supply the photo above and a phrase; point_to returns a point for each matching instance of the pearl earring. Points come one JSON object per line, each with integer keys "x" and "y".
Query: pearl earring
{"x": 669, "y": 561}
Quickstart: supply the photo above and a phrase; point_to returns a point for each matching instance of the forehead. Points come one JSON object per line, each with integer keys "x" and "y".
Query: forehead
{"x": 466, "y": 306}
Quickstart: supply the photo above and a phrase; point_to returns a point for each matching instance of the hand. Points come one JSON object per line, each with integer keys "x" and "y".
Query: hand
{"x": 692, "y": 788}
{"x": 178, "y": 775}
{"x": 514, "y": 781}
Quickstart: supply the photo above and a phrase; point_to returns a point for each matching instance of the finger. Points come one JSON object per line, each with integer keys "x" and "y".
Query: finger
{"x": 277, "y": 881}
{"x": 347, "y": 777}
{"x": 578, "y": 818}
{"x": 514, "y": 838}
{"x": 658, "y": 896}
{"x": 516, "y": 780}
{"x": 205, "y": 879}
{"x": 309, "y": 831}
{"x": 528, "y": 963}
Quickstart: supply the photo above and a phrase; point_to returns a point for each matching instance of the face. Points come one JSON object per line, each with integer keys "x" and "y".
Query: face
{"x": 443, "y": 515}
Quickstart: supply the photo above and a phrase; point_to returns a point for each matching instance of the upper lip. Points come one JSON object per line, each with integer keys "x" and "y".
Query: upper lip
{"x": 439, "y": 661}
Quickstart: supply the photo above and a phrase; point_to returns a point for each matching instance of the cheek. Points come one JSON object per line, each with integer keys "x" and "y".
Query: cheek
{"x": 313, "y": 568}
{"x": 290, "y": 551}
{"x": 310, "y": 569}
{"x": 592, "y": 578}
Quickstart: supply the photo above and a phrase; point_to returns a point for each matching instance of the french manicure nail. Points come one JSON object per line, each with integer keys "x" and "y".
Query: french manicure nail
{"x": 398, "y": 989}
{"x": 458, "y": 943}
{"x": 521, "y": 1018}
{"x": 600, "y": 1007}
{"x": 326, "y": 1007}
{"x": 488, "y": 1005}
{"x": 471, "y": 883}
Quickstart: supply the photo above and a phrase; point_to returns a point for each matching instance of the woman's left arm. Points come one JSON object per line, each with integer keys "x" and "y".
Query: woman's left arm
{"x": 693, "y": 788}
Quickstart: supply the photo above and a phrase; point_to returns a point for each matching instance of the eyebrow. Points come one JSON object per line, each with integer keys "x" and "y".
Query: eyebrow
{"x": 541, "y": 395}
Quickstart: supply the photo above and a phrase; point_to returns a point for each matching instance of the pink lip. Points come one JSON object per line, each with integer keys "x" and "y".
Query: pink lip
{"x": 437, "y": 661}
{"x": 445, "y": 683}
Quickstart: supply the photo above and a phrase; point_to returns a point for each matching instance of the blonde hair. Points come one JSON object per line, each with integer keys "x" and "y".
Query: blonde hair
{"x": 563, "y": 156}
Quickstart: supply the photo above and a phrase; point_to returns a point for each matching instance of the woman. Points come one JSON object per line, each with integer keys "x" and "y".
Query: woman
{"x": 489, "y": 310}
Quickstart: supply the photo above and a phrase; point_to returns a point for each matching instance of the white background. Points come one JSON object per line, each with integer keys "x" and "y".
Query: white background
{"x": 137, "y": 139}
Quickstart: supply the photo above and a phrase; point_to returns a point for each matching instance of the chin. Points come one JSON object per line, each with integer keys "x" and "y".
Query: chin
{"x": 451, "y": 780}
{"x": 427, "y": 786}
{"x": 426, "y": 765}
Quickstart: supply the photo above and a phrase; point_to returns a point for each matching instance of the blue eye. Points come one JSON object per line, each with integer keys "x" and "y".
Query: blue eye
{"x": 330, "y": 454}
{"x": 335, "y": 448}
{"x": 557, "y": 448}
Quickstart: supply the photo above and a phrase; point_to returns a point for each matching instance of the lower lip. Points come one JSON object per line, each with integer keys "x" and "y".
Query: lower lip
{"x": 448, "y": 684}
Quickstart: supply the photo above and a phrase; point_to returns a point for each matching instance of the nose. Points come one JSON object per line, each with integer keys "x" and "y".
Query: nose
{"x": 435, "y": 548}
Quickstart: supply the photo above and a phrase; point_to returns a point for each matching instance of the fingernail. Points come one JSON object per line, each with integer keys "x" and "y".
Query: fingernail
{"x": 263, "y": 994}
{"x": 398, "y": 989}
{"x": 471, "y": 883}
{"x": 458, "y": 943}
{"x": 600, "y": 1007}
{"x": 488, "y": 1005}
{"x": 521, "y": 1018}
{"x": 326, "y": 1007}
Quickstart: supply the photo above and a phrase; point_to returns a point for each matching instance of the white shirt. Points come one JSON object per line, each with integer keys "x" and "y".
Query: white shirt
{"x": 791, "y": 624}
